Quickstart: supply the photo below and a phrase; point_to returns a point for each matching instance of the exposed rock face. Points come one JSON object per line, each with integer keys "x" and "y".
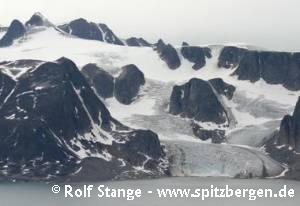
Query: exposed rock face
{"x": 222, "y": 87}
{"x": 37, "y": 19}
{"x": 6, "y": 86}
{"x": 273, "y": 67}
{"x": 90, "y": 30}
{"x": 230, "y": 56}
{"x": 196, "y": 55}
{"x": 16, "y": 68}
{"x": 197, "y": 100}
{"x": 216, "y": 135}
{"x": 249, "y": 68}
{"x": 284, "y": 145}
{"x": 15, "y": 31}
{"x": 128, "y": 83}
{"x": 137, "y": 42}
{"x": 168, "y": 54}
{"x": 101, "y": 80}
{"x": 289, "y": 133}
{"x": 109, "y": 36}
{"x": 52, "y": 121}
{"x": 83, "y": 29}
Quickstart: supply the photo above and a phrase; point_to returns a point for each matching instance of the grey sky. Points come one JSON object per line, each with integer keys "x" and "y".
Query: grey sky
{"x": 272, "y": 24}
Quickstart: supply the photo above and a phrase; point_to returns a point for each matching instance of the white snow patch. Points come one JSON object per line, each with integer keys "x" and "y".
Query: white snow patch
{"x": 122, "y": 111}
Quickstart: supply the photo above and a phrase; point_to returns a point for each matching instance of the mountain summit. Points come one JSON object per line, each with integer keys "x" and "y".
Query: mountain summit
{"x": 37, "y": 19}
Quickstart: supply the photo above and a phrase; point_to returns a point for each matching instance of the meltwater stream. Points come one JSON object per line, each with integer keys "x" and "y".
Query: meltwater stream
{"x": 37, "y": 194}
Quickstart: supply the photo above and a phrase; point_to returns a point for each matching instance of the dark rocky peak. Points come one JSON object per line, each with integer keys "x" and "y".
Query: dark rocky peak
{"x": 52, "y": 120}
{"x": 284, "y": 145}
{"x": 230, "y": 56}
{"x": 160, "y": 44}
{"x": 195, "y": 54}
{"x": 137, "y": 42}
{"x": 128, "y": 83}
{"x": 37, "y": 19}
{"x": 83, "y": 29}
{"x": 222, "y": 87}
{"x": 99, "y": 79}
{"x": 94, "y": 106}
{"x": 90, "y": 30}
{"x": 168, "y": 54}
{"x": 109, "y": 36}
{"x": 14, "y": 31}
{"x": 45, "y": 115}
{"x": 289, "y": 133}
{"x": 64, "y": 81}
{"x": 197, "y": 100}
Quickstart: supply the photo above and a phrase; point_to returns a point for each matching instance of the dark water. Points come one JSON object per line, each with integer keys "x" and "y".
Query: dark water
{"x": 38, "y": 194}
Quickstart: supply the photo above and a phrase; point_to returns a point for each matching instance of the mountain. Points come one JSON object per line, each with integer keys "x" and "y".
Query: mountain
{"x": 125, "y": 88}
{"x": 183, "y": 101}
{"x": 199, "y": 101}
{"x": 99, "y": 79}
{"x": 284, "y": 144}
{"x": 137, "y": 42}
{"x": 14, "y": 31}
{"x": 79, "y": 27}
{"x": 90, "y": 30}
{"x": 196, "y": 55}
{"x": 273, "y": 67}
{"x": 53, "y": 123}
{"x": 37, "y": 19}
{"x": 168, "y": 54}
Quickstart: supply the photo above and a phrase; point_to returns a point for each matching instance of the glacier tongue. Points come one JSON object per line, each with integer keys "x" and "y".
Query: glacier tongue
{"x": 204, "y": 159}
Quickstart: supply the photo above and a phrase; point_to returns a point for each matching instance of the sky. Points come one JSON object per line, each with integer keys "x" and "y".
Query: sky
{"x": 271, "y": 24}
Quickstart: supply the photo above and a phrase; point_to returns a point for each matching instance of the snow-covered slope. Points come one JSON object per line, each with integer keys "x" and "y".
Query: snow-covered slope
{"x": 253, "y": 104}
{"x": 1, "y": 34}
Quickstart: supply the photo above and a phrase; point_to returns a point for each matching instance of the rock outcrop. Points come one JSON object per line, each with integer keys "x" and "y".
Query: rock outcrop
{"x": 289, "y": 132}
{"x": 53, "y": 126}
{"x": 101, "y": 80}
{"x": 168, "y": 54}
{"x": 273, "y": 67}
{"x": 90, "y": 30}
{"x": 14, "y": 31}
{"x": 109, "y": 36}
{"x": 137, "y": 42}
{"x": 284, "y": 145}
{"x": 37, "y": 19}
{"x": 83, "y": 29}
{"x": 6, "y": 86}
{"x": 230, "y": 57}
{"x": 195, "y": 54}
{"x": 215, "y": 135}
{"x": 222, "y": 87}
{"x": 197, "y": 100}
{"x": 128, "y": 83}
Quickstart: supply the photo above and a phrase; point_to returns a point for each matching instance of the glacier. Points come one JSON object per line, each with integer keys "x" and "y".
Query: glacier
{"x": 240, "y": 156}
